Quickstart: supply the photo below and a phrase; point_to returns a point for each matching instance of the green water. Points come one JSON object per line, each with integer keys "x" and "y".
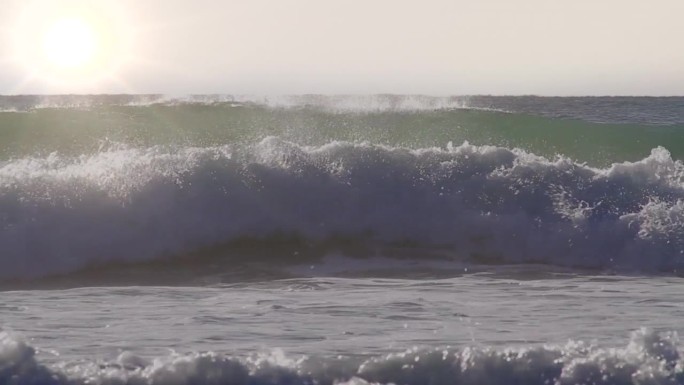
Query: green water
{"x": 85, "y": 131}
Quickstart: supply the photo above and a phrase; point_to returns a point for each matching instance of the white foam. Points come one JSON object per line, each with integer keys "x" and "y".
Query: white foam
{"x": 648, "y": 357}
{"x": 59, "y": 214}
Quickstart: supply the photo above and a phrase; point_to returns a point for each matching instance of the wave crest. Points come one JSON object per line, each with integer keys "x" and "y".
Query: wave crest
{"x": 649, "y": 357}
{"x": 484, "y": 203}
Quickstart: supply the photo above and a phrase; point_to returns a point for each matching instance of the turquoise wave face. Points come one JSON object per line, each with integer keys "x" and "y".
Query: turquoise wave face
{"x": 75, "y": 131}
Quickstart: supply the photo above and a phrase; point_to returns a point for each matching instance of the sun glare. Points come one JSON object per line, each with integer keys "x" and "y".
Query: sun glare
{"x": 70, "y": 43}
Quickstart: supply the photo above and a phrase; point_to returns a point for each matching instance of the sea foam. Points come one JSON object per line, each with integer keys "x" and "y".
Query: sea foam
{"x": 648, "y": 358}
{"x": 481, "y": 203}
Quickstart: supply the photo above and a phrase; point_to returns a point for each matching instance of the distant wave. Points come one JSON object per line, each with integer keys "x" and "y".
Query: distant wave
{"x": 648, "y": 357}
{"x": 652, "y": 111}
{"x": 337, "y": 103}
{"x": 480, "y": 203}
{"x": 401, "y": 121}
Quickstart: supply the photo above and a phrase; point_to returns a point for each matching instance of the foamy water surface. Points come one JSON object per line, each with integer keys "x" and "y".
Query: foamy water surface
{"x": 497, "y": 328}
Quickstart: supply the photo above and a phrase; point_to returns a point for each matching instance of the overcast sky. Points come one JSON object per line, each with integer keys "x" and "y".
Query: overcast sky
{"x": 549, "y": 47}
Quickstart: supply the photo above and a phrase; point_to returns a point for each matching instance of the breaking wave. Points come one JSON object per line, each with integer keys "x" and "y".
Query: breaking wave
{"x": 479, "y": 204}
{"x": 649, "y": 357}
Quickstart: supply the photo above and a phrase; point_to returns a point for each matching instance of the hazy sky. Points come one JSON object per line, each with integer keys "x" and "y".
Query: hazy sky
{"x": 551, "y": 47}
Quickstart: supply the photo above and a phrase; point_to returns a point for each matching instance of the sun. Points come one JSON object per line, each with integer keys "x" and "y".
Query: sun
{"x": 71, "y": 43}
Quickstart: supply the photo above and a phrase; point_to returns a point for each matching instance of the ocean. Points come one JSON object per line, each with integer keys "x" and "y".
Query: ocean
{"x": 352, "y": 240}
